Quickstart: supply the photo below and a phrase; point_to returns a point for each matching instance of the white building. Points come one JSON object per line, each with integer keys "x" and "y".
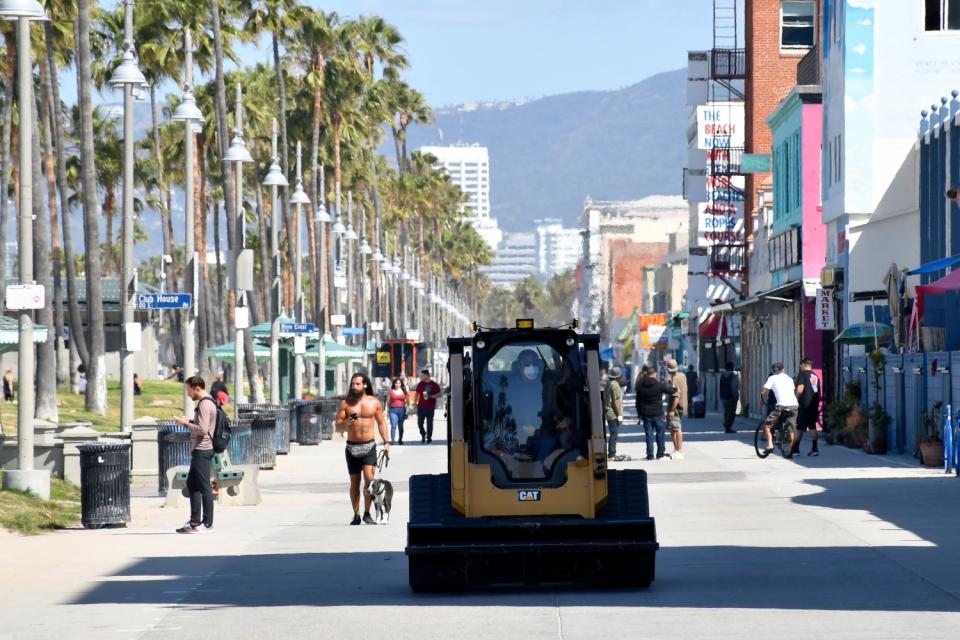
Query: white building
{"x": 514, "y": 261}
{"x": 558, "y": 247}
{"x": 469, "y": 169}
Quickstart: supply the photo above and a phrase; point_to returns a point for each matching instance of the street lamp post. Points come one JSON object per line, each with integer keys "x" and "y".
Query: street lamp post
{"x": 188, "y": 113}
{"x": 25, "y": 477}
{"x": 127, "y": 76}
{"x": 238, "y": 154}
{"x": 298, "y": 199}
{"x": 320, "y": 217}
{"x": 274, "y": 179}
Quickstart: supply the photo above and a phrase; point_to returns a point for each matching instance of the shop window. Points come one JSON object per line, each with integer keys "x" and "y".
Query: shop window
{"x": 797, "y": 24}
{"x": 941, "y": 15}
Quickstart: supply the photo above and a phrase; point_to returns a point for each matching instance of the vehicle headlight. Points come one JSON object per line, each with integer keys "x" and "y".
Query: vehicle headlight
{"x": 481, "y": 344}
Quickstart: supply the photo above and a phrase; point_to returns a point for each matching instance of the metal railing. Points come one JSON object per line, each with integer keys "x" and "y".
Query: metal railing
{"x": 728, "y": 64}
{"x": 809, "y": 69}
{"x": 726, "y": 259}
{"x": 725, "y": 162}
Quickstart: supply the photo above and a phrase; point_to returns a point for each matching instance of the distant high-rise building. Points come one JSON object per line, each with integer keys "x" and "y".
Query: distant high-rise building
{"x": 13, "y": 259}
{"x": 558, "y": 247}
{"x": 469, "y": 169}
{"x": 514, "y": 261}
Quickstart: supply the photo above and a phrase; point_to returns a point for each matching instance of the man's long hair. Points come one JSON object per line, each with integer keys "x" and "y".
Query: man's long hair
{"x": 367, "y": 385}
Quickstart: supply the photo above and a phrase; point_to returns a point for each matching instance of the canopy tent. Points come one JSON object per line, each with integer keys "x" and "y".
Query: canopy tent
{"x": 950, "y": 282}
{"x": 334, "y": 352}
{"x": 225, "y": 352}
{"x": 10, "y": 334}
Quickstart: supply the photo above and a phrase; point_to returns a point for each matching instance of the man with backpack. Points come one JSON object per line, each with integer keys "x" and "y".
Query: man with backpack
{"x": 202, "y": 433}
{"x": 729, "y": 393}
{"x": 613, "y": 409}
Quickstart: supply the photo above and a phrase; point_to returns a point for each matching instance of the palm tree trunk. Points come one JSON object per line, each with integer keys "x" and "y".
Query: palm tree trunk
{"x": 46, "y": 381}
{"x": 96, "y": 398}
{"x": 9, "y": 79}
{"x": 47, "y": 110}
{"x": 219, "y": 333}
{"x": 78, "y": 336}
{"x": 265, "y": 277}
{"x": 319, "y": 287}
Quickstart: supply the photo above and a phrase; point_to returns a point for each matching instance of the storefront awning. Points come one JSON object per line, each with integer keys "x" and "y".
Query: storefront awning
{"x": 710, "y": 327}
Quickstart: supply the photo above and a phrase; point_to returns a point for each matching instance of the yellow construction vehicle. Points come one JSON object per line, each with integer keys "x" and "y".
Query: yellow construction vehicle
{"x": 528, "y": 497}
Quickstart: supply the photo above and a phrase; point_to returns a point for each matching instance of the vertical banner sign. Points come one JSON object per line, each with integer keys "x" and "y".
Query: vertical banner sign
{"x": 720, "y": 126}
{"x": 824, "y": 310}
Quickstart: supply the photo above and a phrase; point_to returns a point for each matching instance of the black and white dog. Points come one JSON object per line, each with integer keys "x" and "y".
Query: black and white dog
{"x": 382, "y": 492}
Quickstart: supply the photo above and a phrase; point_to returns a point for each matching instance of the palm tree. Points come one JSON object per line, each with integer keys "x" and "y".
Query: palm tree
{"x": 96, "y": 396}
{"x": 7, "y": 128}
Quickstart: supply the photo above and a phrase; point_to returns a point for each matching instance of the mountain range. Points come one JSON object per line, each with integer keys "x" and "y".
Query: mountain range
{"x": 548, "y": 155}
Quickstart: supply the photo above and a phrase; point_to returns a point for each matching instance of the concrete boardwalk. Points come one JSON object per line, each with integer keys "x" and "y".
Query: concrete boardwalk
{"x": 841, "y": 546}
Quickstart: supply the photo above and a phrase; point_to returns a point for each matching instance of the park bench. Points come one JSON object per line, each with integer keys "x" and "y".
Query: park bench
{"x": 233, "y": 484}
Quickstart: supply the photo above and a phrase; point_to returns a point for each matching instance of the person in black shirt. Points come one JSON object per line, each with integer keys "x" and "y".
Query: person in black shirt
{"x": 650, "y": 392}
{"x": 808, "y": 395}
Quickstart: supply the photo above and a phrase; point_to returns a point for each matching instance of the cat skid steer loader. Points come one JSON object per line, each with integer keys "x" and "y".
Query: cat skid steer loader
{"x": 528, "y": 497}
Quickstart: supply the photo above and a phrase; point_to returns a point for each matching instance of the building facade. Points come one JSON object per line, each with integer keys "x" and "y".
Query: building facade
{"x": 514, "y": 261}
{"x": 558, "y": 247}
{"x": 469, "y": 169}
{"x": 622, "y": 243}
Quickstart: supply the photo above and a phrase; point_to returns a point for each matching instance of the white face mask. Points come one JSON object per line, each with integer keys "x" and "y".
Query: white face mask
{"x": 531, "y": 371}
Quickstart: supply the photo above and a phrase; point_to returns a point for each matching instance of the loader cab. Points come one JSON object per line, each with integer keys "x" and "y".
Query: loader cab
{"x": 531, "y": 417}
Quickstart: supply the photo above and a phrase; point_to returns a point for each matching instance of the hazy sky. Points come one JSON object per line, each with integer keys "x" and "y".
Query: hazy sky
{"x": 463, "y": 50}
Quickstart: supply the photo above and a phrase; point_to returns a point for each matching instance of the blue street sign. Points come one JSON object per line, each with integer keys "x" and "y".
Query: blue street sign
{"x": 297, "y": 328}
{"x": 352, "y": 331}
{"x": 164, "y": 300}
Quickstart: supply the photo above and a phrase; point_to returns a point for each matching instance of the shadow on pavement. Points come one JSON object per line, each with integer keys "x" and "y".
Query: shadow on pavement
{"x": 829, "y": 578}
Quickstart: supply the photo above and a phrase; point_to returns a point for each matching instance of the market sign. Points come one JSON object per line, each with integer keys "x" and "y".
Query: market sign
{"x": 824, "y": 311}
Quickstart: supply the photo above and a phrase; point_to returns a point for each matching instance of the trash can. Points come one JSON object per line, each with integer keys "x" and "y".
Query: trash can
{"x": 104, "y": 484}
{"x": 327, "y": 413}
{"x": 307, "y": 421}
{"x": 263, "y": 440}
{"x": 173, "y": 449}
{"x": 282, "y": 415}
{"x": 241, "y": 445}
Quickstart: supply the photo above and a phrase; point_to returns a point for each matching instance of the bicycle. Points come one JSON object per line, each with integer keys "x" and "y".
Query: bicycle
{"x": 784, "y": 437}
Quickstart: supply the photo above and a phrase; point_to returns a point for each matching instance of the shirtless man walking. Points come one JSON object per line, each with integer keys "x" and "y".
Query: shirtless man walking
{"x": 359, "y": 415}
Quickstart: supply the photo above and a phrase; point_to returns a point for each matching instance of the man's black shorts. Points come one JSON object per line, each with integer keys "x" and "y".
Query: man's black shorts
{"x": 807, "y": 418}
{"x": 355, "y": 465}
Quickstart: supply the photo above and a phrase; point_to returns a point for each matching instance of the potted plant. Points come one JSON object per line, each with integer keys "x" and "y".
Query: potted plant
{"x": 844, "y": 419}
{"x": 878, "y": 417}
{"x": 931, "y": 444}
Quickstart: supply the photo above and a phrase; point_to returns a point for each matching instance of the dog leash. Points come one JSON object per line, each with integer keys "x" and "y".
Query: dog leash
{"x": 383, "y": 460}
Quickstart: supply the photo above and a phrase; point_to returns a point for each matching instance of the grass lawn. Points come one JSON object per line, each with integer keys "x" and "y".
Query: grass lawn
{"x": 160, "y": 399}
{"x": 25, "y": 513}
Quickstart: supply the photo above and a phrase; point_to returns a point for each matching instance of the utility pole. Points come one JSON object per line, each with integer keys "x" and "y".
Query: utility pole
{"x": 188, "y": 113}
{"x": 274, "y": 179}
{"x": 298, "y": 199}
{"x": 128, "y": 76}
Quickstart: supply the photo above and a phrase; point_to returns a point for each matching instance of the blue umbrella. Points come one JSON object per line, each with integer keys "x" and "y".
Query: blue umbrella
{"x": 866, "y": 333}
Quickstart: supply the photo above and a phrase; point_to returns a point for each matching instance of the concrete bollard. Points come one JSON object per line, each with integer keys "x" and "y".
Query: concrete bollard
{"x": 144, "y": 464}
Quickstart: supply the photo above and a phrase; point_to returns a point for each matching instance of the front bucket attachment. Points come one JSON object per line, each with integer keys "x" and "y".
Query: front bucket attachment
{"x": 447, "y": 551}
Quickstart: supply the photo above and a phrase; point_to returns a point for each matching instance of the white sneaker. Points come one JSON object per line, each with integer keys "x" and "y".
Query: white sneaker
{"x": 678, "y": 455}
{"x": 205, "y": 529}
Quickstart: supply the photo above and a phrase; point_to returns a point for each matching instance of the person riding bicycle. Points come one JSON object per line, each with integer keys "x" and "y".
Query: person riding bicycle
{"x": 786, "y": 406}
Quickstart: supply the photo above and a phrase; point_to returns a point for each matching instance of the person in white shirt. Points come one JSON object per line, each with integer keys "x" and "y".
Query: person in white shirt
{"x": 787, "y": 406}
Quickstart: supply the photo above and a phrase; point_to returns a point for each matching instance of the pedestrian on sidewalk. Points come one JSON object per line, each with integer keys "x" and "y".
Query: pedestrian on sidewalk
{"x": 808, "y": 397}
{"x": 729, "y": 393}
{"x": 8, "y": 385}
{"x": 397, "y": 406}
{"x": 201, "y": 457}
{"x": 360, "y": 415}
{"x": 613, "y": 409}
{"x": 428, "y": 392}
{"x": 650, "y": 393}
{"x": 693, "y": 388}
{"x": 219, "y": 390}
{"x": 678, "y": 403}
